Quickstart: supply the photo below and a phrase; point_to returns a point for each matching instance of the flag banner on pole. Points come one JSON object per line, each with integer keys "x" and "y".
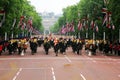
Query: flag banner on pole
{"x": 105, "y": 19}
{"x": 63, "y": 30}
{"x": 92, "y": 24}
{"x": 72, "y": 27}
{"x": 79, "y": 25}
{"x": 113, "y": 26}
{"x": 29, "y": 23}
{"x": 14, "y": 22}
{"x": 109, "y": 19}
{"x": 30, "y": 29}
{"x": 97, "y": 28}
{"x": 104, "y": 10}
{"x": 2, "y": 12}
{"x": 106, "y": 2}
{"x": 2, "y": 15}
{"x": 67, "y": 27}
{"x": 21, "y": 22}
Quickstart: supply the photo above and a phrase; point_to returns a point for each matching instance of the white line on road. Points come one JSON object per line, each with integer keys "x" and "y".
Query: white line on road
{"x": 24, "y": 68}
{"x": 17, "y": 74}
{"x": 68, "y": 59}
{"x": 53, "y": 73}
{"x": 91, "y": 59}
{"x": 118, "y": 75}
{"x": 82, "y": 76}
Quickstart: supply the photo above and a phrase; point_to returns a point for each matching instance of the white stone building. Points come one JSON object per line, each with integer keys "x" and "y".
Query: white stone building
{"x": 48, "y": 20}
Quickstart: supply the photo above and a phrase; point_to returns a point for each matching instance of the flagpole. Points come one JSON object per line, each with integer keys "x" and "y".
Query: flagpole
{"x": 104, "y": 35}
{"x": 17, "y": 36}
{"x": 31, "y": 34}
{"x": 5, "y": 36}
{"x": 80, "y": 35}
{"x": 86, "y": 35}
{"x": 12, "y": 35}
{"x": 119, "y": 35}
{"x": 104, "y": 2}
{"x": 93, "y": 37}
{"x": 23, "y": 34}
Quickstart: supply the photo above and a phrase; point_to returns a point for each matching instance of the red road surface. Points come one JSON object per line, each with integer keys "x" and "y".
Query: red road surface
{"x": 64, "y": 67}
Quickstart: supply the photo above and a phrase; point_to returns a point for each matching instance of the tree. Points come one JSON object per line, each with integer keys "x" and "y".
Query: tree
{"x": 14, "y": 9}
{"x": 92, "y": 11}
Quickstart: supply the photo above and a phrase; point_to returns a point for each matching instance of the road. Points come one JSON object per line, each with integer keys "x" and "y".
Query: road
{"x": 63, "y": 67}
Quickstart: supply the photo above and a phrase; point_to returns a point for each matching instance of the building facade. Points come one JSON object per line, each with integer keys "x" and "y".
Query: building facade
{"x": 48, "y": 20}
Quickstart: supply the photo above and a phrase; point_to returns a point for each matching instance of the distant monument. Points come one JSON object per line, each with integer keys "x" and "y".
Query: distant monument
{"x": 48, "y": 20}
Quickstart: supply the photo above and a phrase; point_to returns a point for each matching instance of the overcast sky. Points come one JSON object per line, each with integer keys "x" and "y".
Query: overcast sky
{"x": 55, "y": 6}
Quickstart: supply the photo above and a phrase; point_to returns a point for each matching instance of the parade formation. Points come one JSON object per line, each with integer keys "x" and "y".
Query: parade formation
{"x": 59, "y": 45}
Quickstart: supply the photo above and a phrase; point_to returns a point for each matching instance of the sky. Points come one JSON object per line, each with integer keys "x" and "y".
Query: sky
{"x": 55, "y": 6}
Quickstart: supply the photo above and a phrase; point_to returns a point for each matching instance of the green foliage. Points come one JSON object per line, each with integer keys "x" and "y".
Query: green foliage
{"x": 93, "y": 8}
{"x": 14, "y": 9}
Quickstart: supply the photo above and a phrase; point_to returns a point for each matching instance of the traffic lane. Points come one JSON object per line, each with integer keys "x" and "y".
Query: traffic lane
{"x": 62, "y": 68}
{"x": 62, "y": 65}
{"x": 7, "y": 74}
{"x": 34, "y": 74}
{"x": 7, "y": 70}
{"x": 29, "y": 67}
{"x": 10, "y": 67}
{"x": 96, "y": 70}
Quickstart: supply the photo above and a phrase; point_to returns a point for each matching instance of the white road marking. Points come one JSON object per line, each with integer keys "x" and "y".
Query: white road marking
{"x": 17, "y": 74}
{"x": 110, "y": 58}
{"x": 53, "y": 73}
{"x": 82, "y": 76}
{"x": 91, "y": 59}
{"x": 24, "y": 68}
{"x": 68, "y": 59}
{"x": 118, "y": 75}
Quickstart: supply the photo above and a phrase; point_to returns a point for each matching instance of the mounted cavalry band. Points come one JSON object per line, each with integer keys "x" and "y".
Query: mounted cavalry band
{"x": 59, "y": 45}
